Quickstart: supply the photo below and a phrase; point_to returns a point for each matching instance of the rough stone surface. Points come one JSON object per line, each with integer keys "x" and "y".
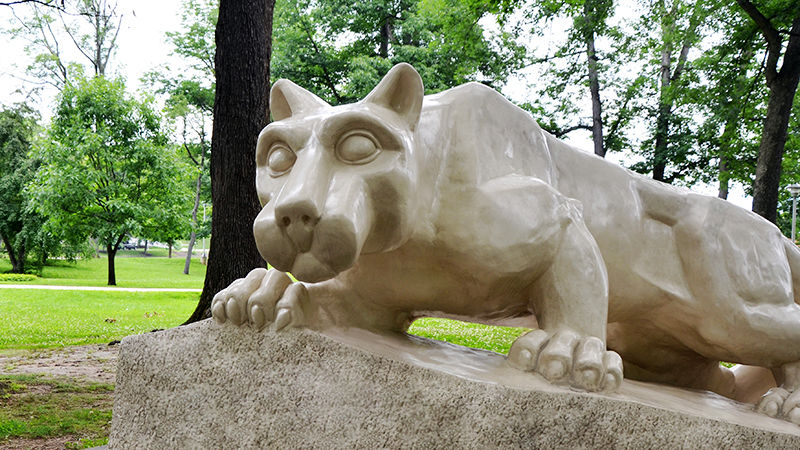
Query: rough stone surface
{"x": 219, "y": 386}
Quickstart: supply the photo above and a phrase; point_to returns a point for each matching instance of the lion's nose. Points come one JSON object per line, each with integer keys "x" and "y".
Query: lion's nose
{"x": 298, "y": 219}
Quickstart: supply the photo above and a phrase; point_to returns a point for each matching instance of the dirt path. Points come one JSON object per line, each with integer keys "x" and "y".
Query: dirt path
{"x": 86, "y": 363}
{"x": 97, "y": 362}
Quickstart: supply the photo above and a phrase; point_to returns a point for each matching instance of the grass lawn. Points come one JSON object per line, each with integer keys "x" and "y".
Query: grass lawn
{"x": 38, "y": 407}
{"x": 496, "y": 339}
{"x": 44, "y": 318}
{"x": 131, "y": 271}
{"x": 34, "y": 406}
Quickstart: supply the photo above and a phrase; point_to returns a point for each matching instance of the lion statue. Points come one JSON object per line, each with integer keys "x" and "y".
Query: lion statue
{"x": 459, "y": 205}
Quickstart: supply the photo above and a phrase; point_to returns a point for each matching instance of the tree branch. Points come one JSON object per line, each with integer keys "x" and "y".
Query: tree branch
{"x": 691, "y": 32}
{"x": 770, "y": 34}
{"x": 562, "y": 132}
{"x": 55, "y": 4}
{"x": 327, "y": 75}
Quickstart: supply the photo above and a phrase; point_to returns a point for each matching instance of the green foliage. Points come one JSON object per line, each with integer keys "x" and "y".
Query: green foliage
{"x": 560, "y": 96}
{"x": 189, "y": 107}
{"x": 39, "y": 407}
{"x": 196, "y": 42}
{"x": 340, "y": 49}
{"x": 473, "y": 335}
{"x": 35, "y": 318}
{"x": 17, "y": 277}
{"x": 18, "y": 224}
{"x": 106, "y": 171}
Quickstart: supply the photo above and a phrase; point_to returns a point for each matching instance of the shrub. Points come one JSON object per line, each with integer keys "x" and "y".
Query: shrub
{"x": 17, "y": 277}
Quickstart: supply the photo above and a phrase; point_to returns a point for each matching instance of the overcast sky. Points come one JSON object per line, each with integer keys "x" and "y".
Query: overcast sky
{"x": 142, "y": 47}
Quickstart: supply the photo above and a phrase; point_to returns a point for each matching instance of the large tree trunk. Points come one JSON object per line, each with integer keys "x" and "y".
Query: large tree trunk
{"x": 241, "y": 107}
{"x": 773, "y": 140}
{"x": 782, "y": 88}
{"x": 594, "y": 83}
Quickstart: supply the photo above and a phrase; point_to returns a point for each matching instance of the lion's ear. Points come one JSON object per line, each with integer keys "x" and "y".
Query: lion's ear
{"x": 401, "y": 91}
{"x": 287, "y": 99}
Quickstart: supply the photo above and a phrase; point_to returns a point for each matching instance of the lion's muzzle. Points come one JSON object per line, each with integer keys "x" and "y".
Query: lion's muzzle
{"x": 315, "y": 246}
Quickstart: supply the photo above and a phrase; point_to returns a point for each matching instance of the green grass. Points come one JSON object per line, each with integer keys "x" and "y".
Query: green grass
{"x": 131, "y": 271}
{"x": 496, "y": 339}
{"x": 34, "y": 406}
{"x": 48, "y": 318}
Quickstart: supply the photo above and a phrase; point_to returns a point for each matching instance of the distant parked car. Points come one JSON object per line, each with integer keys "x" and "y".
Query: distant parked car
{"x": 128, "y": 246}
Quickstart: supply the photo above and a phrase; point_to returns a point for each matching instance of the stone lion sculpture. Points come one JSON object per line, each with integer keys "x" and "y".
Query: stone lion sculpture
{"x": 459, "y": 205}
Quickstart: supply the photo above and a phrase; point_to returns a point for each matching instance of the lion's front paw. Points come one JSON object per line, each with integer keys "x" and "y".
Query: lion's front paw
{"x": 565, "y": 356}
{"x": 778, "y": 402}
{"x": 263, "y": 296}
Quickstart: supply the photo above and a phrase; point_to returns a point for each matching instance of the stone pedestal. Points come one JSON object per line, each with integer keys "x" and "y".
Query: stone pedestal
{"x": 219, "y": 386}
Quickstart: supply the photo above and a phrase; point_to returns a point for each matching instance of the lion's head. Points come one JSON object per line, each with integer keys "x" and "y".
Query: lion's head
{"x": 335, "y": 182}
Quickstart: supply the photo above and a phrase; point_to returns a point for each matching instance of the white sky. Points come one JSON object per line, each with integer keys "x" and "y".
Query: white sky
{"x": 142, "y": 46}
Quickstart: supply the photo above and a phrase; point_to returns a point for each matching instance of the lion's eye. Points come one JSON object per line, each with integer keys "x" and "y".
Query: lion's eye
{"x": 281, "y": 159}
{"x": 357, "y": 147}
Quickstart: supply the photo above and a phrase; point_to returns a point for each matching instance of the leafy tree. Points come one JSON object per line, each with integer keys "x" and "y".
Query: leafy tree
{"x": 731, "y": 103}
{"x": 17, "y": 223}
{"x": 577, "y": 62}
{"x": 105, "y": 172}
{"x": 775, "y": 19}
{"x": 340, "y": 49}
{"x": 91, "y": 26}
{"x": 190, "y": 101}
{"x": 241, "y": 109}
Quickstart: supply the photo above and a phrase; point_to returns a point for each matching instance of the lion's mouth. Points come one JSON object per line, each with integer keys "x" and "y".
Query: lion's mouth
{"x": 308, "y": 268}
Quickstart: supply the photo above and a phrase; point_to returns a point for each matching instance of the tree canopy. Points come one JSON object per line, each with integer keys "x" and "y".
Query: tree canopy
{"x": 106, "y": 169}
{"x": 340, "y": 49}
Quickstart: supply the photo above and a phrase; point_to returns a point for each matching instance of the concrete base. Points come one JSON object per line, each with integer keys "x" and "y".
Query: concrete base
{"x": 218, "y": 386}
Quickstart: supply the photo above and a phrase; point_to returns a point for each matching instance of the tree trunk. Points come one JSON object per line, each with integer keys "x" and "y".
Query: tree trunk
{"x": 241, "y": 110}
{"x": 16, "y": 257}
{"x": 724, "y": 178}
{"x": 111, "y": 252}
{"x": 770, "y": 151}
{"x": 662, "y": 121}
{"x": 189, "y": 251}
{"x": 386, "y": 36}
{"x": 12, "y": 256}
{"x": 594, "y": 83}
{"x": 782, "y": 88}
{"x": 170, "y": 251}
{"x": 194, "y": 216}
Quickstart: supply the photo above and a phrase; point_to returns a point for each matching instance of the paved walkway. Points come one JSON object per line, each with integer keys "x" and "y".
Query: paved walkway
{"x": 93, "y": 288}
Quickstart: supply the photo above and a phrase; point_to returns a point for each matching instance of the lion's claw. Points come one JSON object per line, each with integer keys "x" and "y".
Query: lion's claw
{"x": 565, "y": 356}
{"x": 263, "y": 296}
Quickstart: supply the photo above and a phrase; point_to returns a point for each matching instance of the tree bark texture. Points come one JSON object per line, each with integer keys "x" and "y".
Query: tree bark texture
{"x": 594, "y": 82}
{"x": 770, "y": 151}
{"x": 241, "y": 110}
{"x": 782, "y": 89}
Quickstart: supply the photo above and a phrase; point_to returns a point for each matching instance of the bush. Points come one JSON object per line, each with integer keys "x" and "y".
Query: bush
{"x": 16, "y": 277}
